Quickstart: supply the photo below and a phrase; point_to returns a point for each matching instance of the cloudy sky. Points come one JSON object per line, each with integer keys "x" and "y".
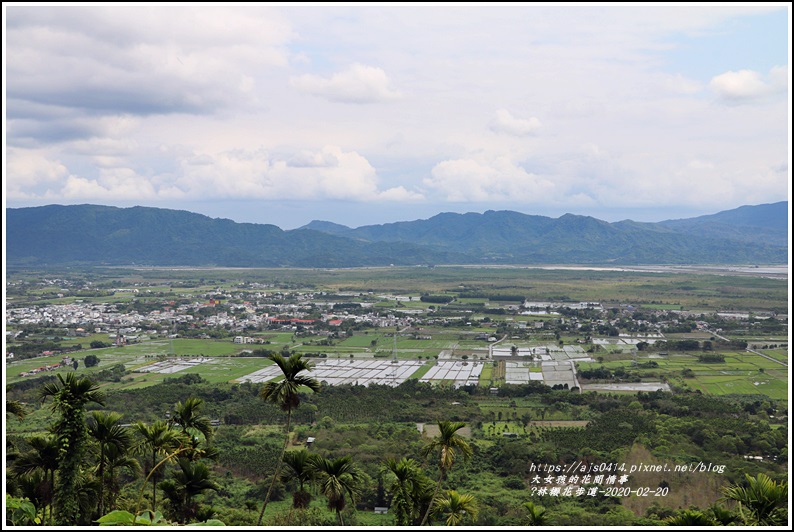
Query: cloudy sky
{"x": 374, "y": 114}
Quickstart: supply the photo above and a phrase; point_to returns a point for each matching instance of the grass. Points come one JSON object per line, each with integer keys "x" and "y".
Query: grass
{"x": 419, "y": 373}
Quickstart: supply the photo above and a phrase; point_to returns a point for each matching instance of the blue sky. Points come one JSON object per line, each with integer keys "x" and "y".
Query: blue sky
{"x": 368, "y": 114}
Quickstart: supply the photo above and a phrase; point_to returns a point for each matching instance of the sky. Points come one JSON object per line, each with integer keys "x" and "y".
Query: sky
{"x": 368, "y": 114}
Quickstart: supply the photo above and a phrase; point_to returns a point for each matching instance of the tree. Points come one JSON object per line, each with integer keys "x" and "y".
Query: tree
{"x": 75, "y": 363}
{"x": 187, "y": 416}
{"x": 410, "y": 490}
{"x": 15, "y": 408}
{"x": 106, "y": 431}
{"x": 286, "y": 395}
{"x": 117, "y": 460}
{"x": 70, "y": 395}
{"x": 762, "y": 502}
{"x": 338, "y": 479}
{"x": 536, "y": 515}
{"x": 300, "y": 470}
{"x": 41, "y": 459}
{"x": 456, "y": 507}
{"x": 448, "y": 444}
{"x": 191, "y": 479}
{"x": 158, "y": 439}
{"x": 690, "y": 518}
{"x": 91, "y": 360}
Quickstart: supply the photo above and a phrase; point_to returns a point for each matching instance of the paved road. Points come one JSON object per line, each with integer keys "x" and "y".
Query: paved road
{"x": 768, "y": 357}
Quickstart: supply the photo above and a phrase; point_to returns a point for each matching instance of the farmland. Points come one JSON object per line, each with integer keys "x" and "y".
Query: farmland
{"x": 542, "y": 367}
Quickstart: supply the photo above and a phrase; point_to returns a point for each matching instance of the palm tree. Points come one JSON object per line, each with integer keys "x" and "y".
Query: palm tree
{"x": 762, "y": 502}
{"x": 407, "y": 488}
{"x": 105, "y": 429}
{"x": 300, "y": 470}
{"x": 187, "y": 416}
{"x": 536, "y": 515}
{"x": 690, "y": 518}
{"x": 192, "y": 478}
{"x": 118, "y": 460}
{"x": 448, "y": 444}
{"x": 285, "y": 395}
{"x": 42, "y": 459}
{"x": 15, "y": 408}
{"x": 158, "y": 439}
{"x": 87, "y": 491}
{"x": 34, "y": 487}
{"x": 338, "y": 479}
{"x": 456, "y": 507}
{"x": 70, "y": 395}
{"x": 722, "y": 516}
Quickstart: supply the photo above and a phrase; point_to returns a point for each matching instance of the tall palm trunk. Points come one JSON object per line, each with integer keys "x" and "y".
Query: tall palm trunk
{"x": 52, "y": 496}
{"x": 101, "y": 505}
{"x": 433, "y": 500}
{"x": 154, "y": 481}
{"x": 278, "y": 467}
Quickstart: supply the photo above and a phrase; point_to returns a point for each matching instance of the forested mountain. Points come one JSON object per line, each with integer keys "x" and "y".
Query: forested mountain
{"x": 506, "y": 236}
{"x": 143, "y": 235}
{"x": 766, "y": 223}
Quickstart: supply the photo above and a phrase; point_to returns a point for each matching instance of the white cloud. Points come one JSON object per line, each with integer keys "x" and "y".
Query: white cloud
{"x": 307, "y": 159}
{"x": 678, "y": 84}
{"x": 142, "y": 61}
{"x": 749, "y": 85}
{"x": 326, "y": 174}
{"x": 504, "y": 122}
{"x": 330, "y": 173}
{"x": 197, "y": 103}
{"x": 115, "y": 183}
{"x": 30, "y": 168}
{"x": 496, "y": 180}
{"x": 358, "y": 84}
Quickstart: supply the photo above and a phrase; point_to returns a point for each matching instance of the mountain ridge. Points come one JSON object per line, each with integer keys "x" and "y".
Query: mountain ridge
{"x": 97, "y": 234}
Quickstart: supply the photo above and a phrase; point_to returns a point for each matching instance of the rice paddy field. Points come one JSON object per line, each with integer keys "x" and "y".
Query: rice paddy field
{"x": 742, "y": 372}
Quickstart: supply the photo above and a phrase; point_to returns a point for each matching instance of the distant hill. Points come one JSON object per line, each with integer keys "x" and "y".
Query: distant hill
{"x": 94, "y": 234}
{"x": 750, "y": 223}
{"x": 507, "y": 236}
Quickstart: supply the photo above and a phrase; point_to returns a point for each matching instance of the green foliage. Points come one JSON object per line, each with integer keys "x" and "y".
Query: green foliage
{"x": 187, "y": 378}
{"x": 456, "y": 507}
{"x": 20, "y": 512}
{"x": 762, "y": 501}
{"x": 70, "y": 395}
{"x": 426, "y": 298}
{"x": 711, "y": 358}
{"x": 339, "y": 480}
{"x": 536, "y": 515}
{"x": 448, "y": 444}
{"x": 146, "y": 518}
{"x": 186, "y": 483}
{"x": 410, "y": 489}
{"x": 285, "y": 394}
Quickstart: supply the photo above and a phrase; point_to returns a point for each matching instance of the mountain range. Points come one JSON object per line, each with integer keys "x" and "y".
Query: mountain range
{"x": 103, "y": 235}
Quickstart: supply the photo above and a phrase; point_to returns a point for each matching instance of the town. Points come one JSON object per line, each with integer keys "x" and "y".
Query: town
{"x": 363, "y": 337}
